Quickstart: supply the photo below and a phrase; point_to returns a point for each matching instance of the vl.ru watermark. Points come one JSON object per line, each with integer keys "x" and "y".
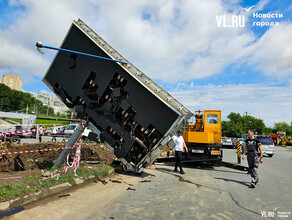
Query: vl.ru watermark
{"x": 230, "y": 21}
{"x": 271, "y": 214}
{"x": 239, "y": 21}
{"x": 266, "y": 23}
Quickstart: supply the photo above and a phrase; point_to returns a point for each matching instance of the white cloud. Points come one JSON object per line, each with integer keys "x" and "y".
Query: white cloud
{"x": 170, "y": 40}
{"x": 272, "y": 53}
{"x": 176, "y": 32}
{"x": 176, "y": 38}
{"x": 267, "y": 102}
{"x": 16, "y": 58}
{"x": 46, "y": 21}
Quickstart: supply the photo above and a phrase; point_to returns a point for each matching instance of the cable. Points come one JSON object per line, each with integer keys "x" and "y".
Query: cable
{"x": 40, "y": 45}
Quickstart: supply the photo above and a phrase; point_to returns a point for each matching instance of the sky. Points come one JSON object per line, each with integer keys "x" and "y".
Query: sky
{"x": 194, "y": 49}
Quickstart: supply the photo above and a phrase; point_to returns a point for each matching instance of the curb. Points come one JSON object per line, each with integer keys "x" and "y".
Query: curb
{"x": 26, "y": 199}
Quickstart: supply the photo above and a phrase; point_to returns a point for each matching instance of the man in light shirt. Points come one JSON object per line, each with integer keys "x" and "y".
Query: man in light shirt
{"x": 41, "y": 133}
{"x": 178, "y": 149}
{"x": 54, "y": 133}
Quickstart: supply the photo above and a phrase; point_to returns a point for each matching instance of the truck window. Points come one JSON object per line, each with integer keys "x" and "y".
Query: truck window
{"x": 212, "y": 119}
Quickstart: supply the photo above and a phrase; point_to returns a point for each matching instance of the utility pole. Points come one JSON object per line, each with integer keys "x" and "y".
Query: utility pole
{"x": 246, "y": 113}
{"x": 48, "y": 106}
{"x": 245, "y": 127}
{"x": 26, "y": 109}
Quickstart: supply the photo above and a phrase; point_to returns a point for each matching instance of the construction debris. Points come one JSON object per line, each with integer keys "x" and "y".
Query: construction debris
{"x": 44, "y": 160}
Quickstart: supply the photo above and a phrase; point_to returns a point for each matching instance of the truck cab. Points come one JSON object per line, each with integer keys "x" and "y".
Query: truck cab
{"x": 203, "y": 138}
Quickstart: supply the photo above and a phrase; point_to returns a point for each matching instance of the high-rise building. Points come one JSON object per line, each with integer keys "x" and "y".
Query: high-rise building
{"x": 14, "y": 82}
{"x": 51, "y": 101}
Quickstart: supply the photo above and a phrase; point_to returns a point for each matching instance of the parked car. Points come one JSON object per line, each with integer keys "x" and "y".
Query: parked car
{"x": 70, "y": 129}
{"x": 267, "y": 143}
{"x": 227, "y": 142}
{"x": 241, "y": 140}
{"x": 26, "y": 134}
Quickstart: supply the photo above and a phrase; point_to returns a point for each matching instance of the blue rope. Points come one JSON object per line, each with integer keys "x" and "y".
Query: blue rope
{"x": 80, "y": 53}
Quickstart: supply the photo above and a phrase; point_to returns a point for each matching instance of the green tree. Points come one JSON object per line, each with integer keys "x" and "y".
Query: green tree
{"x": 5, "y": 98}
{"x": 238, "y": 125}
{"x": 235, "y": 117}
{"x": 232, "y": 129}
{"x": 13, "y": 100}
{"x": 268, "y": 130}
{"x": 282, "y": 126}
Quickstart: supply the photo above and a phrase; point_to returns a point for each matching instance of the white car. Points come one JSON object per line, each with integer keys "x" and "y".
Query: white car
{"x": 71, "y": 128}
{"x": 241, "y": 141}
{"x": 267, "y": 143}
{"x": 225, "y": 141}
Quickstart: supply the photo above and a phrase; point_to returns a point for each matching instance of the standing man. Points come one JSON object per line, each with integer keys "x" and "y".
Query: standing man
{"x": 54, "y": 133}
{"x": 252, "y": 147}
{"x": 178, "y": 149}
{"x": 41, "y": 133}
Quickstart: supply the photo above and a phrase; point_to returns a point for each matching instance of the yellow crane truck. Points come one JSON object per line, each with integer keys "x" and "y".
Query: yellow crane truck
{"x": 203, "y": 138}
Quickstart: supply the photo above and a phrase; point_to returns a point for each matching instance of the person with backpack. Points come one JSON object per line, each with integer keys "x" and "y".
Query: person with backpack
{"x": 253, "y": 146}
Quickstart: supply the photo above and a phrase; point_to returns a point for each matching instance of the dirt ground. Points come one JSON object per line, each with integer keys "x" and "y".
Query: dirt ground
{"x": 16, "y": 166}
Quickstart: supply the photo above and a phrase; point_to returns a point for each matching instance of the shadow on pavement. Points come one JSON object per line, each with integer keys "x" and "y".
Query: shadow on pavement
{"x": 229, "y": 171}
{"x": 165, "y": 170}
{"x": 170, "y": 171}
{"x": 129, "y": 173}
{"x": 194, "y": 165}
{"x": 234, "y": 181}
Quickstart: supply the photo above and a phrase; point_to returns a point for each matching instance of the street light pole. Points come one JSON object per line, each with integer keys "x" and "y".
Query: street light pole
{"x": 246, "y": 113}
{"x": 244, "y": 128}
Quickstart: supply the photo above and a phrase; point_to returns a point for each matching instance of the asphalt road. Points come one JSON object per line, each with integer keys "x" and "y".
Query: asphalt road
{"x": 204, "y": 192}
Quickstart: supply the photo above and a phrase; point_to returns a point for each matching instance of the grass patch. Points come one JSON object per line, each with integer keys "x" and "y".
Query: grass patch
{"x": 9, "y": 191}
{"x": 85, "y": 172}
{"x": 41, "y": 121}
{"x": 52, "y": 116}
{"x": 15, "y": 120}
{"x": 44, "y": 121}
{"x": 30, "y": 184}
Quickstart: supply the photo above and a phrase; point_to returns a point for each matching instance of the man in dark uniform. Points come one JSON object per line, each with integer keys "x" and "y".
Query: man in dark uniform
{"x": 252, "y": 147}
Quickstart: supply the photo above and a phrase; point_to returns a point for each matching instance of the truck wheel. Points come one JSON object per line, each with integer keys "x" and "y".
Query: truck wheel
{"x": 14, "y": 139}
{"x": 270, "y": 155}
{"x": 218, "y": 163}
